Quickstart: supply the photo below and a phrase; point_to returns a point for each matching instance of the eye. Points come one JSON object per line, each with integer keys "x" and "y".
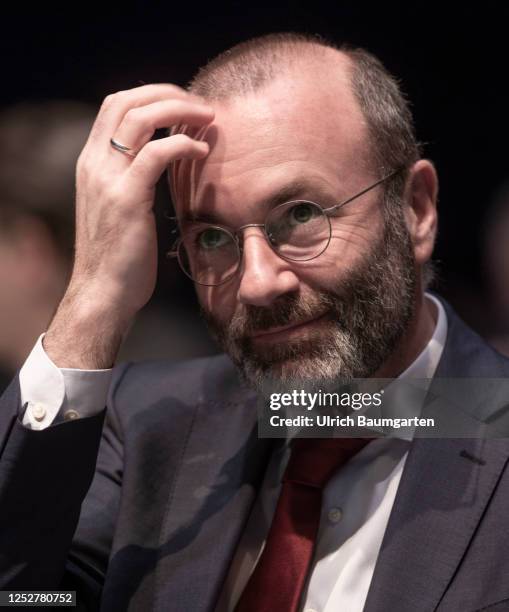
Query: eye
{"x": 301, "y": 213}
{"x": 212, "y": 238}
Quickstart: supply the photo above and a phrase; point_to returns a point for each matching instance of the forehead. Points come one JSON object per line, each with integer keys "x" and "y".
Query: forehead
{"x": 303, "y": 125}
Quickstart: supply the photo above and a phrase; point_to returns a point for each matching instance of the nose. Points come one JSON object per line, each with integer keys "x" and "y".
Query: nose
{"x": 264, "y": 276}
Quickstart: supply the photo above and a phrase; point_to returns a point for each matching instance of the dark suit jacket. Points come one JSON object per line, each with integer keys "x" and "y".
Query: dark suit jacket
{"x": 154, "y": 525}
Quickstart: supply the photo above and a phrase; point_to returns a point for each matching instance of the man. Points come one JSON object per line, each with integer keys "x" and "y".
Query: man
{"x": 306, "y": 220}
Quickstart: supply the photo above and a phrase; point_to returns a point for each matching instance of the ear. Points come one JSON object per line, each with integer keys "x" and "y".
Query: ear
{"x": 421, "y": 212}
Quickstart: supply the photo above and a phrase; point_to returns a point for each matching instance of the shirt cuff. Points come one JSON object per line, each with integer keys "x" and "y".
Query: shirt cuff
{"x": 53, "y": 394}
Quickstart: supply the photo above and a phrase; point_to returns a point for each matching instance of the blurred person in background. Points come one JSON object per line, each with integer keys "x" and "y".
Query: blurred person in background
{"x": 39, "y": 146}
{"x": 496, "y": 258}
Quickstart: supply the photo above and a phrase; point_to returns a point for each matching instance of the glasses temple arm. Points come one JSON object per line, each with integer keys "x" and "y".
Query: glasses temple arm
{"x": 358, "y": 195}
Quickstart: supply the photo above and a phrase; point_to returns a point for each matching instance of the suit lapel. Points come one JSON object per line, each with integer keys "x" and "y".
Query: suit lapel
{"x": 221, "y": 468}
{"x": 445, "y": 487}
{"x": 443, "y": 492}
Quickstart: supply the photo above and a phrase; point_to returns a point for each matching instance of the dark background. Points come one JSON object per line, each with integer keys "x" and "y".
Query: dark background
{"x": 453, "y": 64}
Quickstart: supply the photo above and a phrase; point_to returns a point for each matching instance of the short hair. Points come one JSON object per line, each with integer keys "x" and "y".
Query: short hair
{"x": 249, "y": 65}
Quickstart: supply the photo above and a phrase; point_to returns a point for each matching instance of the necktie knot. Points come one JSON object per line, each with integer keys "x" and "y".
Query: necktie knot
{"x": 313, "y": 461}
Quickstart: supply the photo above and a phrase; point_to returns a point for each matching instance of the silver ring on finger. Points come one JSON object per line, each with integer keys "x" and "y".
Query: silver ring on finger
{"x": 122, "y": 148}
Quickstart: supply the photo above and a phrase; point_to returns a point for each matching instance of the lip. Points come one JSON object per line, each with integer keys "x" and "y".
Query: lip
{"x": 274, "y": 332}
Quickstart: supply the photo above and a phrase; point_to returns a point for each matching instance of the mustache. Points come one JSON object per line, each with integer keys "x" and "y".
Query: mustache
{"x": 290, "y": 309}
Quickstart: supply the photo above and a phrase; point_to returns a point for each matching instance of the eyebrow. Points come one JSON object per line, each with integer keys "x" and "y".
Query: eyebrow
{"x": 292, "y": 191}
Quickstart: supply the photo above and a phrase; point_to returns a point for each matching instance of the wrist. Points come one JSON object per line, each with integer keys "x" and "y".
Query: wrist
{"x": 86, "y": 331}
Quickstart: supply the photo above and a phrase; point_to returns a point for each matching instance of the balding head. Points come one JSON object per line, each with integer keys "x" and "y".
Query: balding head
{"x": 251, "y": 65}
{"x": 300, "y": 116}
{"x": 256, "y": 63}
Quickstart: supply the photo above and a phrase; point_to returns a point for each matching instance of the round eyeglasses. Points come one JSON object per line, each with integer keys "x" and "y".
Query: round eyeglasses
{"x": 298, "y": 230}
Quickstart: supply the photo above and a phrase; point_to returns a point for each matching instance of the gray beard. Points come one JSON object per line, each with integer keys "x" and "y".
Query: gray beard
{"x": 368, "y": 313}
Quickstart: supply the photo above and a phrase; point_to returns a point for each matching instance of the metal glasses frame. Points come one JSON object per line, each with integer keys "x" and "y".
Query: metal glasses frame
{"x": 235, "y": 233}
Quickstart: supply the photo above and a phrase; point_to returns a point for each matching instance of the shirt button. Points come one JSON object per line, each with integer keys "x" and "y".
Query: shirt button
{"x": 70, "y": 415}
{"x": 335, "y": 515}
{"x": 38, "y": 411}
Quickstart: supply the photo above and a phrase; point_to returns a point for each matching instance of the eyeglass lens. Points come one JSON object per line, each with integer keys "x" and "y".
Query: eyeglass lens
{"x": 298, "y": 231}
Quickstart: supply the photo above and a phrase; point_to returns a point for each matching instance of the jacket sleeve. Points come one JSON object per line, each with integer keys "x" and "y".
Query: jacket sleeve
{"x": 59, "y": 497}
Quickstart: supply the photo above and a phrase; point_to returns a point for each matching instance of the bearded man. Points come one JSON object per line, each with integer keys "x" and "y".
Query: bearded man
{"x": 307, "y": 220}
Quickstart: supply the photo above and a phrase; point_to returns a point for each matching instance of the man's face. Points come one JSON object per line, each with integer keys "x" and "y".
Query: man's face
{"x": 308, "y": 323}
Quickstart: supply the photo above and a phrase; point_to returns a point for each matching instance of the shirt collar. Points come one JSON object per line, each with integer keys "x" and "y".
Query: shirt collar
{"x": 425, "y": 364}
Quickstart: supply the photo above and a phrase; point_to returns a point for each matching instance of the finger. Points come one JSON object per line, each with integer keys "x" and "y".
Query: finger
{"x": 155, "y": 157}
{"x": 115, "y": 106}
{"x": 139, "y": 124}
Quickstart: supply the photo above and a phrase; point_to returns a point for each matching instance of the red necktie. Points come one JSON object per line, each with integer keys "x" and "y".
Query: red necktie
{"x": 278, "y": 579}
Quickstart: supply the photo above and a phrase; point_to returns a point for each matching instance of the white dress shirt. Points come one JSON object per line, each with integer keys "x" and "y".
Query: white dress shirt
{"x": 356, "y": 505}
